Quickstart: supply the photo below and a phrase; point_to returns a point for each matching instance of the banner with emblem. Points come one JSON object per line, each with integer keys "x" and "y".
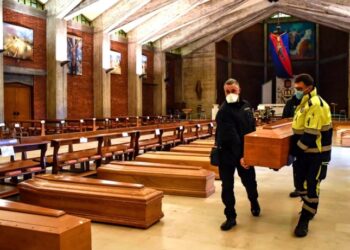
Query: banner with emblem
{"x": 284, "y": 89}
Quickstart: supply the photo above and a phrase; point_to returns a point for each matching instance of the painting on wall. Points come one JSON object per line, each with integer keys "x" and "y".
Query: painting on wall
{"x": 115, "y": 59}
{"x": 75, "y": 55}
{"x": 302, "y": 38}
{"x": 144, "y": 65}
{"x": 18, "y": 42}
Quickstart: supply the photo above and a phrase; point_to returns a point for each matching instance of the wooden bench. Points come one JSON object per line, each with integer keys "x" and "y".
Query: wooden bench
{"x": 29, "y": 227}
{"x": 148, "y": 139}
{"x": 171, "y": 136}
{"x": 98, "y": 200}
{"x": 24, "y": 167}
{"x": 205, "y": 130}
{"x": 189, "y": 133}
{"x": 170, "y": 158}
{"x": 169, "y": 178}
{"x": 121, "y": 144}
{"x": 76, "y": 156}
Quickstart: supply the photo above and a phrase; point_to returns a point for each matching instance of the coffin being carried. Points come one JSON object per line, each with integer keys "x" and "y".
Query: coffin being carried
{"x": 269, "y": 146}
{"x": 28, "y": 227}
{"x": 98, "y": 200}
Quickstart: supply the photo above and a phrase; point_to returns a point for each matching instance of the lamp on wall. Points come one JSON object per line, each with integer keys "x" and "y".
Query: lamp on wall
{"x": 109, "y": 70}
{"x": 64, "y": 62}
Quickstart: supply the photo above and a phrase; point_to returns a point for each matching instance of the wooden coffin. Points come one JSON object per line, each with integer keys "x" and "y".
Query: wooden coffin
{"x": 203, "y": 142}
{"x": 169, "y": 178}
{"x": 28, "y": 227}
{"x": 269, "y": 146}
{"x": 175, "y": 158}
{"x": 345, "y": 138}
{"x": 196, "y": 150}
{"x": 99, "y": 200}
{"x": 175, "y": 153}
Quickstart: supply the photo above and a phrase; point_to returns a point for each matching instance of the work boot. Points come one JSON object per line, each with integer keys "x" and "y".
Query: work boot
{"x": 295, "y": 193}
{"x": 255, "y": 208}
{"x": 302, "y": 228}
{"x": 228, "y": 224}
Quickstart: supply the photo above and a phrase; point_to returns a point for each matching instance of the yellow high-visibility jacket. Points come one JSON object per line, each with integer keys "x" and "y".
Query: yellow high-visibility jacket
{"x": 312, "y": 126}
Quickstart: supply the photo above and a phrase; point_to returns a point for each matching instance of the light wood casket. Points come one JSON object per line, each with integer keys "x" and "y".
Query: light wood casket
{"x": 203, "y": 142}
{"x": 268, "y": 146}
{"x": 170, "y": 178}
{"x": 197, "y": 150}
{"x": 175, "y": 158}
{"x": 99, "y": 200}
{"x": 28, "y": 227}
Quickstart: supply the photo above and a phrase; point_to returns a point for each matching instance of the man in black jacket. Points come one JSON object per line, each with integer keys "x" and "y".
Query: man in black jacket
{"x": 234, "y": 119}
{"x": 288, "y": 112}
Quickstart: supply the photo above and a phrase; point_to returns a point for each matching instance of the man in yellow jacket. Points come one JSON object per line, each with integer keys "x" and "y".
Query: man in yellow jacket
{"x": 311, "y": 145}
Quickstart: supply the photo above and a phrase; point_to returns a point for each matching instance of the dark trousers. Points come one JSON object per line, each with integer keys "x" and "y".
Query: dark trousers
{"x": 298, "y": 181}
{"x": 310, "y": 170}
{"x": 227, "y": 178}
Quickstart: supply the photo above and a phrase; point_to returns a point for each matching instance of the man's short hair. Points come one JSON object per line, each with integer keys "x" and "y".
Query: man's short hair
{"x": 306, "y": 79}
{"x": 231, "y": 81}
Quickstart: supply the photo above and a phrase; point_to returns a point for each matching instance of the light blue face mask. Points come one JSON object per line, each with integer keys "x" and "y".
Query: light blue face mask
{"x": 299, "y": 94}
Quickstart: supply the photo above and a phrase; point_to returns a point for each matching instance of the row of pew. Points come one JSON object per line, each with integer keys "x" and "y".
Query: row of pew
{"x": 20, "y": 128}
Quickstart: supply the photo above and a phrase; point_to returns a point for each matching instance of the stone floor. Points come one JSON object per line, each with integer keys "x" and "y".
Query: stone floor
{"x": 193, "y": 223}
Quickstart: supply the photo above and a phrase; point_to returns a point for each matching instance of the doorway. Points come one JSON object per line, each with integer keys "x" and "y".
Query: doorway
{"x": 17, "y": 102}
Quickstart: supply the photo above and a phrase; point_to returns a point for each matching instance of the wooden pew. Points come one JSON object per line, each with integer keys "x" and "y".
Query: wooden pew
{"x": 169, "y": 178}
{"x": 205, "y": 130}
{"x": 170, "y": 158}
{"x": 29, "y": 227}
{"x": 197, "y": 150}
{"x": 148, "y": 139}
{"x": 119, "y": 144}
{"x": 171, "y": 136}
{"x": 269, "y": 146}
{"x": 24, "y": 167}
{"x": 189, "y": 133}
{"x": 83, "y": 157}
{"x": 98, "y": 200}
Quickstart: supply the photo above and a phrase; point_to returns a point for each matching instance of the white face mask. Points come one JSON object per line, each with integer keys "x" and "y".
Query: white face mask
{"x": 231, "y": 98}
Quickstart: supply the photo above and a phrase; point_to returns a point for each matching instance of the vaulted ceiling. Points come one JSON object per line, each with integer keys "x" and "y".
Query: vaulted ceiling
{"x": 191, "y": 24}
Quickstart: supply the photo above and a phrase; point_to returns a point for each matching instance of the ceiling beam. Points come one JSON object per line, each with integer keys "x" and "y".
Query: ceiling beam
{"x": 234, "y": 29}
{"x": 205, "y": 10}
{"x": 117, "y": 14}
{"x": 151, "y": 7}
{"x": 60, "y": 8}
{"x": 169, "y": 14}
{"x": 214, "y": 24}
{"x": 79, "y": 9}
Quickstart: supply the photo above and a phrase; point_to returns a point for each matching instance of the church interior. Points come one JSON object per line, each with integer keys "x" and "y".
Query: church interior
{"x": 108, "y": 122}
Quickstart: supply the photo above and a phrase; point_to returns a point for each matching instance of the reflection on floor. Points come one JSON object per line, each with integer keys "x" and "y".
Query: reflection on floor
{"x": 193, "y": 223}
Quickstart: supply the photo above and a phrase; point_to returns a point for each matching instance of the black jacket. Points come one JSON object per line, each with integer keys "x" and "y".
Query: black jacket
{"x": 233, "y": 120}
{"x": 290, "y": 107}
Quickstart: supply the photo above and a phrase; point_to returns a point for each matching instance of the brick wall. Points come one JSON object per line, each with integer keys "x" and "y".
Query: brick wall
{"x": 38, "y": 25}
{"x": 80, "y": 87}
{"x": 119, "y": 83}
{"x": 150, "y": 65}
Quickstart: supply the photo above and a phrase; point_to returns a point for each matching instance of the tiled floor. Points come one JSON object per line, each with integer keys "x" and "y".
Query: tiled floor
{"x": 193, "y": 223}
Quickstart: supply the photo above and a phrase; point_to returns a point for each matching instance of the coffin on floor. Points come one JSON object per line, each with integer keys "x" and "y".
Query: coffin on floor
{"x": 269, "y": 146}
{"x": 99, "y": 200}
{"x": 28, "y": 227}
{"x": 175, "y": 158}
{"x": 197, "y": 150}
{"x": 169, "y": 178}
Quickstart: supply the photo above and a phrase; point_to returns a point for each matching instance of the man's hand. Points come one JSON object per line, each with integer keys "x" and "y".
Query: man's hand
{"x": 243, "y": 164}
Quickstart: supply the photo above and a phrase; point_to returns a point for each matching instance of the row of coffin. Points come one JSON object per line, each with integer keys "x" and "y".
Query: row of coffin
{"x": 85, "y": 147}
{"x": 125, "y": 203}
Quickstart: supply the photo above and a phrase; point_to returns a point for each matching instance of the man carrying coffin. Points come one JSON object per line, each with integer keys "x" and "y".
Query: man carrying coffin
{"x": 234, "y": 120}
{"x": 311, "y": 145}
